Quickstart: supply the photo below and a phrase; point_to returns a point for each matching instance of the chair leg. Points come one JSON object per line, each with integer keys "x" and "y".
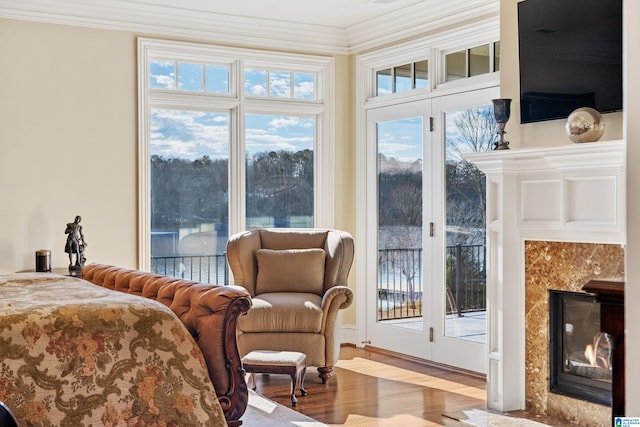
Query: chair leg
{"x": 326, "y": 372}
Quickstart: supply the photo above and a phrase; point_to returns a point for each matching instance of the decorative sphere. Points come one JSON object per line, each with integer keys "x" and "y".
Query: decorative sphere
{"x": 585, "y": 125}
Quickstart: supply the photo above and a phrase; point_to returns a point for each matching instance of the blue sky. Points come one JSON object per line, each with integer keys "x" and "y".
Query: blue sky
{"x": 402, "y": 139}
{"x": 192, "y": 134}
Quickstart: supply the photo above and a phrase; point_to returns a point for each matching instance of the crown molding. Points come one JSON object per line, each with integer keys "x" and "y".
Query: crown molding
{"x": 427, "y": 17}
{"x": 169, "y": 21}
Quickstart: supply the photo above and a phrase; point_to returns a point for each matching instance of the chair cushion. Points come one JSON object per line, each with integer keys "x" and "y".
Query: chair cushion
{"x": 291, "y": 270}
{"x": 283, "y": 312}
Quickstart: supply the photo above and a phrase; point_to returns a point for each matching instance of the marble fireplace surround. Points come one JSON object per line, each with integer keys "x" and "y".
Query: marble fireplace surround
{"x": 555, "y": 219}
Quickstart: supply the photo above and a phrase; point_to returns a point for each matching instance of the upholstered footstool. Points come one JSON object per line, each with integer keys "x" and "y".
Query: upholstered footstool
{"x": 291, "y": 363}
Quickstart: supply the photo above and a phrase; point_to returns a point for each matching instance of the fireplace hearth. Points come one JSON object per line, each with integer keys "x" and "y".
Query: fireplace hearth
{"x": 580, "y": 354}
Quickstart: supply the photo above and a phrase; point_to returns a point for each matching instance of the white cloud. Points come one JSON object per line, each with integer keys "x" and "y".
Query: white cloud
{"x": 283, "y": 122}
{"x": 304, "y": 90}
{"x": 189, "y": 134}
{"x": 163, "y": 81}
{"x": 258, "y": 90}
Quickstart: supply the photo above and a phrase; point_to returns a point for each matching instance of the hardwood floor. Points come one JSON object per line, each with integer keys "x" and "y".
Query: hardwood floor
{"x": 371, "y": 388}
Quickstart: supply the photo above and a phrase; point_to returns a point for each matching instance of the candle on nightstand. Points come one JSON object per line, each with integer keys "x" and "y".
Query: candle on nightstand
{"x": 43, "y": 260}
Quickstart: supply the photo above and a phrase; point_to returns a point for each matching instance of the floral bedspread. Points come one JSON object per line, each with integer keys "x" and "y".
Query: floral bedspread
{"x": 75, "y": 354}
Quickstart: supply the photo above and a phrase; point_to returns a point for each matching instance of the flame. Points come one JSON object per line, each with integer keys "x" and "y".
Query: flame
{"x": 598, "y": 353}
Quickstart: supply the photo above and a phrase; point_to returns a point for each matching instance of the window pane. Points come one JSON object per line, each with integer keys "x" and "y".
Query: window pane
{"x": 400, "y": 170}
{"x": 280, "y": 84}
{"x": 402, "y": 76}
{"x": 467, "y": 130}
{"x": 216, "y": 78}
{"x": 496, "y": 56}
{"x": 255, "y": 82}
{"x": 304, "y": 86}
{"x": 421, "y": 74}
{"x": 189, "y": 193}
{"x": 190, "y": 77}
{"x": 456, "y": 65}
{"x": 162, "y": 74}
{"x": 479, "y": 60}
{"x": 280, "y": 170}
{"x": 383, "y": 82}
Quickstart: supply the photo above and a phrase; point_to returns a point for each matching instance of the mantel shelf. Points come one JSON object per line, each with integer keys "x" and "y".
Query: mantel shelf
{"x": 604, "y": 154}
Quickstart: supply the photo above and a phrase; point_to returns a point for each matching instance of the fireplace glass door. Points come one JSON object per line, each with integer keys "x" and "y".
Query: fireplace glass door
{"x": 580, "y": 353}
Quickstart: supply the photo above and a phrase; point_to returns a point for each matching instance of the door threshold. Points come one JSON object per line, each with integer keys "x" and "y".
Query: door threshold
{"x": 425, "y": 362}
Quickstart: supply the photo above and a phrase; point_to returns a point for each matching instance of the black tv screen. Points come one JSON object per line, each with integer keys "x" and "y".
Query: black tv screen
{"x": 570, "y": 57}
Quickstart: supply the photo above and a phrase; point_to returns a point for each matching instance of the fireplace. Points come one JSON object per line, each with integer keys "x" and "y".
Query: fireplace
{"x": 555, "y": 221}
{"x": 579, "y": 353}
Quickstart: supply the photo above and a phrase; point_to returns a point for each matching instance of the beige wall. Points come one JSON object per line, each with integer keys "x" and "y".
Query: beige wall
{"x": 68, "y": 136}
{"x": 68, "y": 133}
{"x": 532, "y": 134}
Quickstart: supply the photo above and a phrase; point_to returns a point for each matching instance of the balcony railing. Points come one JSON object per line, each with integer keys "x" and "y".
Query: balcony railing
{"x": 399, "y": 278}
{"x": 400, "y": 281}
{"x": 201, "y": 268}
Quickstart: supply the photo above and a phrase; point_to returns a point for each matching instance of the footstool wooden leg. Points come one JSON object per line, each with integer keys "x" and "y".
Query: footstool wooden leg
{"x": 301, "y": 381}
{"x": 294, "y": 382}
{"x": 254, "y": 384}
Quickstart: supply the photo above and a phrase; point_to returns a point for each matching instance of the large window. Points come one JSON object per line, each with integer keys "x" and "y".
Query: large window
{"x": 230, "y": 139}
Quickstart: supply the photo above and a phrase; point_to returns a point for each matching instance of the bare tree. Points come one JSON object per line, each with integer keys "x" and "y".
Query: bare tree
{"x": 475, "y": 131}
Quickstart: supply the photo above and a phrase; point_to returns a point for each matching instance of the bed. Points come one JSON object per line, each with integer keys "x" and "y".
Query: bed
{"x": 73, "y": 353}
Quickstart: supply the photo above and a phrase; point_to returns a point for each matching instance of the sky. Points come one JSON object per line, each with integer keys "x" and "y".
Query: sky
{"x": 403, "y": 139}
{"x": 191, "y": 134}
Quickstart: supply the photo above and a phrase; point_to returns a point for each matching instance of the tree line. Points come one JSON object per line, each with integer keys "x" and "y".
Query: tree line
{"x": 188, "y": 193}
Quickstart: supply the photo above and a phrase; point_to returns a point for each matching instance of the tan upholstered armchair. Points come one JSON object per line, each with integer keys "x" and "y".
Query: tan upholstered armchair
{"x": 297, "y": 279}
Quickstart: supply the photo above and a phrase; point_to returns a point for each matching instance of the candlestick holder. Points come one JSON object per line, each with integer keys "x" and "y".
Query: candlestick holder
{"x": 501, "y": 112}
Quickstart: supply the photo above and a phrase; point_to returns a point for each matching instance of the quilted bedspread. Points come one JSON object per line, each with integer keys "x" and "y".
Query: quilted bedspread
{"x": 75, "y": 354}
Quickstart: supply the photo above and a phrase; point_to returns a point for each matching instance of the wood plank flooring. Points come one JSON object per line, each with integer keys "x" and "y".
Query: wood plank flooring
{"x": 372, "y": 388}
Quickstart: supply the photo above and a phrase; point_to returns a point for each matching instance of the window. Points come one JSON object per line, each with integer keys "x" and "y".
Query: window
{"x": 472, "y": 62}
{"x": 402, "y": 78}
{"x": 230, "y": 139}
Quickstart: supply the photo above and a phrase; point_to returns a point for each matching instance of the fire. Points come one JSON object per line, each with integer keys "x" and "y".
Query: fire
{"x": 598, "y": 354}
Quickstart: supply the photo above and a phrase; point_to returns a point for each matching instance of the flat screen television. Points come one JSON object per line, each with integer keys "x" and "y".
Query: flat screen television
{"x": 570, "y": 57}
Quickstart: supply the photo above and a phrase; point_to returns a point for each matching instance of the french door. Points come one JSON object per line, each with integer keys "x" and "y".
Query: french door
{"x": 425, "y": 262}
{"x": 399, "y": 254}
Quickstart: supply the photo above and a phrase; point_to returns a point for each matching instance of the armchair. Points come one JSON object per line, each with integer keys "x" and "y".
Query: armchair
{"x": 297, "y": 279}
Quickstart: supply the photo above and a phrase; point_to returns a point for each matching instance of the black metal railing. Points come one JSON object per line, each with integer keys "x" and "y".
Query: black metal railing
{"x": 400, "y": 281}
{"x": 466, "y": 278}
{"x": 400, "y": 274}
{"x": 201, "y": 268}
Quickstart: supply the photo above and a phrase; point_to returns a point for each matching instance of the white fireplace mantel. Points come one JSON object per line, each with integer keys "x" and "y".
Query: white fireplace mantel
{"x": 573, "y": 193}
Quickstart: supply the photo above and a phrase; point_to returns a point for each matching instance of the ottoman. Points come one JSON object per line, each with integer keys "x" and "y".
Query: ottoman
{"x": 291, "y": 363}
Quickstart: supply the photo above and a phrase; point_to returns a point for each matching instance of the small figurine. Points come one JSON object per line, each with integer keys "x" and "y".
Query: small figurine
{"x": 75, "y": 244}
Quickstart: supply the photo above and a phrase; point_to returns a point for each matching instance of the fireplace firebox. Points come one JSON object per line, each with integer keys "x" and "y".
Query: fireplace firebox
{"x": 580, "y": 354}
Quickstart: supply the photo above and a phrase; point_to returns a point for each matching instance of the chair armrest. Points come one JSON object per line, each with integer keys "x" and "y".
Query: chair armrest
{"x": 336, "y": 298}
{"x": 342, "y": 295}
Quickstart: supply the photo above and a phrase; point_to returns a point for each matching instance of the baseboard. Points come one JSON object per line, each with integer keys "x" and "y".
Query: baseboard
{"x": 425, "y": 362}
{"x": 348, "y": 335}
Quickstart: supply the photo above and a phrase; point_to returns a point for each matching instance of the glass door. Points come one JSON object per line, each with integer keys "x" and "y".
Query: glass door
{"x": 401, "y": 172}
{"x": 464, "y": 124}
{"x": 426, "y": 207}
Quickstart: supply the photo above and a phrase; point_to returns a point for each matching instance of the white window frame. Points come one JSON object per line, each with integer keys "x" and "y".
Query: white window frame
{"x": 237, "y": 104}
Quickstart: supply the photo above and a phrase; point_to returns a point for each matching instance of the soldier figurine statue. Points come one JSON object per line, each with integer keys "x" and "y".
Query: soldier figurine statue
{"x": 75, "y": 244}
